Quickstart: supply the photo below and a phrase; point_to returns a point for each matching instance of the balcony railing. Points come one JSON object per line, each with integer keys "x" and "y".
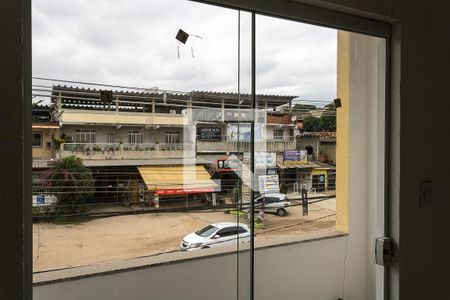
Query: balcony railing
{"x": 127, "y": 151}
{"x": 243, "y": 146}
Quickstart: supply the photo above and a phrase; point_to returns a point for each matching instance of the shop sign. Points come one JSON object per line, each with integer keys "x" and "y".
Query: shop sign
{"x": 211, "y": 134}
{"x": 268, "y": 184}
{"x": 183, "y": 191}
{"x": 44, "y": 200}
{"x": 295, "y": 157}
{"x": 226, "y": 165}
{"x": 242, "y": 132}
{"x": 263, "y": 159}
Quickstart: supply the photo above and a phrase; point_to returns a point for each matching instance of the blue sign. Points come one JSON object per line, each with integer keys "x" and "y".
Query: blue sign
{"x": 40, "y": 199}
{"x": 295, "y": 157}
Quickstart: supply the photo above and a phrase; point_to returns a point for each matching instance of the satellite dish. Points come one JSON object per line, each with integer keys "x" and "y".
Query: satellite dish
{"x": 293, "y": 118}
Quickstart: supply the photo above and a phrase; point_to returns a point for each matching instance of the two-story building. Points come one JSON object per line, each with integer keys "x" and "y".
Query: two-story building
{"x": 131, "y": 140}
{"x": 321, "y": 151}
{"x": 44, "y": 130}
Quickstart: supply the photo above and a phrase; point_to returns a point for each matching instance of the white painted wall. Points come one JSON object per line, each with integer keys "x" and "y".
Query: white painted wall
{"x": 286, "y": 131}
{"x": 299, "y": 271}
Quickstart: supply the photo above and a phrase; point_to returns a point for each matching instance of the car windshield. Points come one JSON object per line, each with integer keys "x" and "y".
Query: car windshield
{"x": 207, "y": 231}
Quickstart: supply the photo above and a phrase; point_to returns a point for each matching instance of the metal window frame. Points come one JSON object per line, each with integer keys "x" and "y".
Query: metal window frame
{"x": 325, "y": 17}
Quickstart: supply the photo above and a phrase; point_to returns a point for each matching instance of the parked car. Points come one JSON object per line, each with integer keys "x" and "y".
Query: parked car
{"x": 273, "y": 203}
{"x": 216, "y": 235}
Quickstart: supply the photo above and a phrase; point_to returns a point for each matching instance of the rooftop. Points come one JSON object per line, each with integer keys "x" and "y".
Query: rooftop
{"x": 87, "y": 98}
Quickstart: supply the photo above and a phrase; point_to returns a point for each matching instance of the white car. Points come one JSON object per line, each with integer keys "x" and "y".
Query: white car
{"x": 273, "y": 203}
{"x": 216, "y": 235}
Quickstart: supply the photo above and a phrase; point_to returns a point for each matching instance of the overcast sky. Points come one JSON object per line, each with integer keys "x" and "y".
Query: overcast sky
{"x": 132, "y": 43}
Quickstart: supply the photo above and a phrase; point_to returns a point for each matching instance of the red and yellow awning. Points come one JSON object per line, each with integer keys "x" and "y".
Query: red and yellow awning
{"x": 177, "y": 180}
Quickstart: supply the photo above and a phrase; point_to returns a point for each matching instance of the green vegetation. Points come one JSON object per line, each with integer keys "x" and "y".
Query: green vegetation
{"x": 326, "y": 122}
{"x": 70, "y": 181}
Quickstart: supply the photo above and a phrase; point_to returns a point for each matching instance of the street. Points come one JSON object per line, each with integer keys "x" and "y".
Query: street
{"x": 123, "y": 237}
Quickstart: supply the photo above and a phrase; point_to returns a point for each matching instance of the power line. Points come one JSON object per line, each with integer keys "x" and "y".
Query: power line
{"x": 218, "y": 95}
{"x": 104, "y": 84}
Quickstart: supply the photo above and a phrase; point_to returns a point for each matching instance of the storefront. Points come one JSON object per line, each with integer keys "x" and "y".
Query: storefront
{"x": 171, "y": 183}
{"x": 324, "y": 177}
{"x": 320, "y": 179}
{"x": 295, "y": 171}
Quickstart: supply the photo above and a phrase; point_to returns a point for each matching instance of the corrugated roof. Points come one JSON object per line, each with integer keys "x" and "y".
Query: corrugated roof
{"x": 281, "y": 165}
{"x": 308, "y": 165}
{"x": 84, "y": 97}
{"x": 322, "y": 165}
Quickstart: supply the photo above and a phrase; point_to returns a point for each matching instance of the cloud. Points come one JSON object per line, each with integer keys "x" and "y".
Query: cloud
{"x": 133, "y": 43}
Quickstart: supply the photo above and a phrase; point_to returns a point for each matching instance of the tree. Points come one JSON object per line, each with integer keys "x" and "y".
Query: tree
{"x": 311, "y": 124}
{"x": 326, "y": 122}
{"x": 69, "y": 180}
{"x": 328, "y": 118}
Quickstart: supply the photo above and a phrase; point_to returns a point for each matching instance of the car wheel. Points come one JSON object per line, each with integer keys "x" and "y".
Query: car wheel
{"x": 281, "y": 212}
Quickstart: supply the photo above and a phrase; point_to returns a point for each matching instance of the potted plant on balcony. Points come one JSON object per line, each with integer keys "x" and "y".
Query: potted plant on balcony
{"x": 57, "y": 143}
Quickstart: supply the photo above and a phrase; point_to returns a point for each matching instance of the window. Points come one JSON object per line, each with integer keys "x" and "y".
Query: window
{"x": 180, "y": 188}
{"x": 135, "y": 137}
{"x": 241, "y": 230}
{"x": 85, "y": 136}
{"x": 309, "y": 150}
{"x": 278, "y": 134}
{"x": 110, "y": 138}
{"x": 207, "y": 231}
{"x": 172, "y": 137}
{"x": 37, "y": 139}
{"x": 230, "y": 231}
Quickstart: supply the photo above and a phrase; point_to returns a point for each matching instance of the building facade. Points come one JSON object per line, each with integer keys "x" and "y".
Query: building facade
{"x": 113, "y": 131}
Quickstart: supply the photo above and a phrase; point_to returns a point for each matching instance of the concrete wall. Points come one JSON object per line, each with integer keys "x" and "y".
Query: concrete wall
{"x": 329, "y": 150}
{"x": 45, "y": 151}
{"x": 124, "y": 118}
{"x": 288, "y": 272}
{"x": 286, "y": 131}
{"x": 419, "y": 92}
